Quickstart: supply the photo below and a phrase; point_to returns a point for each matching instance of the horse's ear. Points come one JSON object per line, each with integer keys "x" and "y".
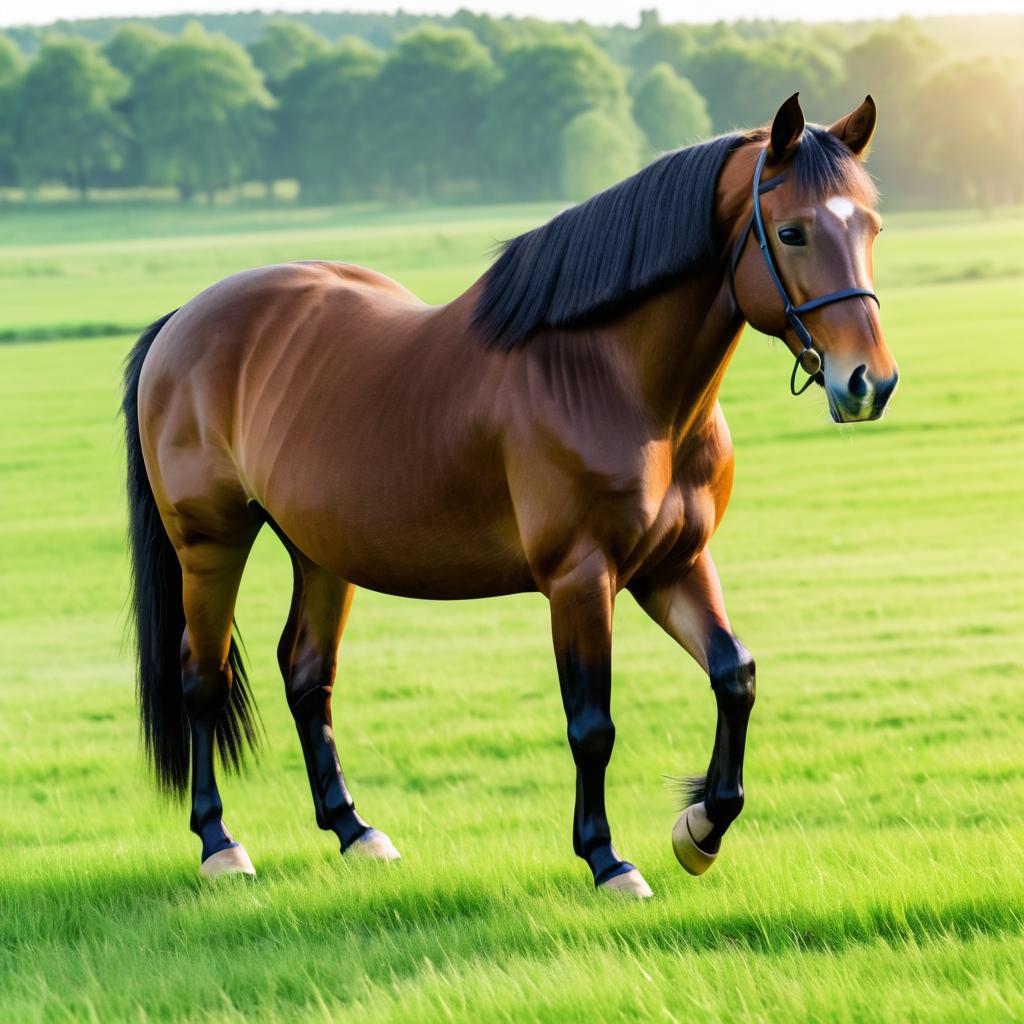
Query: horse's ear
{"x": 787, "y": 130}
{"x": 857, "y": 127}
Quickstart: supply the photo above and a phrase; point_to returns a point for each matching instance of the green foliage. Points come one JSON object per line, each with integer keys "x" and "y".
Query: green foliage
{"x": 285, "y": 46}
{"x": 10, "y": 62}
{"x": 427, "y": 105}
{"x": 201, "y": 112}
{"x": 744, "y": 82}
{"x": 499, "y": 36}
{"x": 816, "y": 71}
{"x": 973, "y": 146}
{"x": 324, "y": 125}
{"x": 471, "y": 105}
{"x": 597, "y": 151}
{"x": 875, "y": 875}
{"x": 10, "y": 71}
{"x": 663, "y": 44}
{"x": 132, "y": 47}
{"x": 66, "y": 125}
{"x": 669, "y": 110}
{"x": 891, "y": 64}
{"x": 544, "y": 86}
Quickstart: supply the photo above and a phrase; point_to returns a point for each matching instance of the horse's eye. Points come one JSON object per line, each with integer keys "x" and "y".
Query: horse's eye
{"x": 792, "y": 236}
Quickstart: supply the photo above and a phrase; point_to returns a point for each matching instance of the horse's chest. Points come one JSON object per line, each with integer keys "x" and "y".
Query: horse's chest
{"x": 680, "y": 530}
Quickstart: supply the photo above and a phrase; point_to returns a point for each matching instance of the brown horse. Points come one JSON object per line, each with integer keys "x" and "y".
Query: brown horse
{"x": 556, "y": 429}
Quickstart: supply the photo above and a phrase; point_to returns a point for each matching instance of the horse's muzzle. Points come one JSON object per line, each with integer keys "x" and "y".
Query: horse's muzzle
{"x": 861, "y": 397}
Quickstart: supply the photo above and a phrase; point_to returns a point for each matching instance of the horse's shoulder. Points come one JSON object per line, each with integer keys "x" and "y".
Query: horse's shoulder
{"x": 705, "y": 452}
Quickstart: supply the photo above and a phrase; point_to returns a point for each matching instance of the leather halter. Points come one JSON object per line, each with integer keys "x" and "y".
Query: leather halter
{"x": 810, "y": 359}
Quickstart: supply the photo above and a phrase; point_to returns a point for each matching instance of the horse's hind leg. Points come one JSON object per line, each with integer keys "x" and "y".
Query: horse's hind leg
{"x": 211, "y": 573}
{"x": 308, "y": 655}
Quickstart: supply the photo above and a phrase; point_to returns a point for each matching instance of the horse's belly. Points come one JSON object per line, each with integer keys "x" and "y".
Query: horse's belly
{"x": 435, "y": 564}
{"x": 452, "y": 580}
{"x": 389, "y": 544}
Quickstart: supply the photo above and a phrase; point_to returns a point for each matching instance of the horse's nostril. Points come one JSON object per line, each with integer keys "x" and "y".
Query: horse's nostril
{"x": 858, "y": 383}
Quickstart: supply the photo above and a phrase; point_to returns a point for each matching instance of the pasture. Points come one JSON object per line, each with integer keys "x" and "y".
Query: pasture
{"x": 876, "y": 573}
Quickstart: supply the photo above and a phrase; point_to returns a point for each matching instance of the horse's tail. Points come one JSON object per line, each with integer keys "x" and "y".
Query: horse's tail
{"x": 158, "y": 617}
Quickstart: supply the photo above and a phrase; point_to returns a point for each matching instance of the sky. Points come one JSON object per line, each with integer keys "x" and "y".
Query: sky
{"x": 41, "y": 12}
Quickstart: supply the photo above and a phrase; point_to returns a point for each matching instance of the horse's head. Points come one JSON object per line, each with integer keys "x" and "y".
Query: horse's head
{"x": 818, "y": 220}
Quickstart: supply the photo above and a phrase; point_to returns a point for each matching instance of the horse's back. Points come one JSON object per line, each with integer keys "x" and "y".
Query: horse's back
{"x": 325, "y": 393}
{"x": 271, "y": 312}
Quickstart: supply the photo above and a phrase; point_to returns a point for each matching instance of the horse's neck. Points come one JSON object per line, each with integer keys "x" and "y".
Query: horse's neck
{"x": 679, "y": 343}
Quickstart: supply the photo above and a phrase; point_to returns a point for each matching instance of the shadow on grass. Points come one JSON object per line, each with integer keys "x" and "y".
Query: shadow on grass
{"x": 417, "y": 915}
{"x": 119, "y": 938}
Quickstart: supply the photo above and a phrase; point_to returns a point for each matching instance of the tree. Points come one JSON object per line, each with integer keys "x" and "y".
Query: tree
{"x": 815, "y": 68}
{"x": 132, "y": 47}
{"x": 546, "y": 85}
{"x": 284, "y": 47}
{"x": 597, "y": 151}
{"x": 971, "y": 131}
{"x": 66, "y": 124}
{"x": 497, "y": 35}
{"x": 742, "y": 83}
{"x": 202, "y": 113}
{"x": 669, "y": 110}
{"x": 10, "y": 73}
{"x": 10, "y": 62}
{"x": 890, "y": 64}
{"x": 323, "y": 123}
{"x": 662, "y": 44}
{"x": 429, "y": 101}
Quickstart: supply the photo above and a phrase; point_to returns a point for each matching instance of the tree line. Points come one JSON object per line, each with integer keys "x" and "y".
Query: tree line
{"x": 473, "y": 107}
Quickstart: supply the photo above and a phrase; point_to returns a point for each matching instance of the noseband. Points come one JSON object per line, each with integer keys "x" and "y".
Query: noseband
{"x": 810, "y": 359}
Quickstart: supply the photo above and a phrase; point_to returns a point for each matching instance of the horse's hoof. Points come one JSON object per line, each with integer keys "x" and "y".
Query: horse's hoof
{"x": 232, "y": 861}
{"x": 374, "y": 845}
{"x": 630, "y": 884}
{"x": 693, "y": 826}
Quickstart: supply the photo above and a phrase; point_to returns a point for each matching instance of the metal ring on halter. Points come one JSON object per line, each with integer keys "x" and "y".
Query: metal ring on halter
{"x": 810, "y": 360}
{"x": 802, "y": 362}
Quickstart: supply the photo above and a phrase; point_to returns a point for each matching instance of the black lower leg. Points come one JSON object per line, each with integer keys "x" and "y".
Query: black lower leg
{"x": 206, "y": 695}
{"x": 731, "y": 669}
{"x": 586, "y": 695}
{"x": 335, "y": 809}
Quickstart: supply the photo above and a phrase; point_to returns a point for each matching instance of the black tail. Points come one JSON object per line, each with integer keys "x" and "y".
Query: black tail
{"x": 159, "y": 620}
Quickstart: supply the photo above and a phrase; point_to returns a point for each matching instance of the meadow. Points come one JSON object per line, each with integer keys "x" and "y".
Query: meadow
{"x": 876, "y": 572}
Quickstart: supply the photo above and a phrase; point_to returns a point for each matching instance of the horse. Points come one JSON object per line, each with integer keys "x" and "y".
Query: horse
{"x": 555, "y": 428}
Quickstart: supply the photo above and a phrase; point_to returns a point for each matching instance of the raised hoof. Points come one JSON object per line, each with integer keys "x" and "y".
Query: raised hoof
{"x": 692, "y": 826}
{"x": 630, "y": 884}
{"x": 232, "y": 861}
{"x": 373, "y": 845}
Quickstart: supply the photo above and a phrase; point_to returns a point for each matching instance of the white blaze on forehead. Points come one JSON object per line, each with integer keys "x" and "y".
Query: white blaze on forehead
{"x": 840, "y": 206}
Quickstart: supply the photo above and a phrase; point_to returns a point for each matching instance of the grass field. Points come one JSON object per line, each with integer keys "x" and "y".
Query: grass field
{"x": 876, "y": 572}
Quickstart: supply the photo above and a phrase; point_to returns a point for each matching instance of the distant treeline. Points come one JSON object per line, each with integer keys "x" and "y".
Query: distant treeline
{"x": 360, "y": 106}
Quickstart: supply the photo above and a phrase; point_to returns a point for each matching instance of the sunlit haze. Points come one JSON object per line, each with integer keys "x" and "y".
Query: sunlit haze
{"x": 40, "y": 12}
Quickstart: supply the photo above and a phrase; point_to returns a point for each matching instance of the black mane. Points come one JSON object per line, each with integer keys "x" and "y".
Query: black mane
{"x": 628, "y": 240}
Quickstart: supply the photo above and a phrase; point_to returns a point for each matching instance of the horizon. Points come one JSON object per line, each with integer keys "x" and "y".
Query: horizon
{"x": 42, "y": 13}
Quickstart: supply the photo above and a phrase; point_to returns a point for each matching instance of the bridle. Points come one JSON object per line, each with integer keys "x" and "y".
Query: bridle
{"x": 810, "y": 359}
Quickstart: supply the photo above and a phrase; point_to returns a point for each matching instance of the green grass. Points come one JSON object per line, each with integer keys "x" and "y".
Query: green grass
{"x": 65, "y": 272}
{"x": 876, "y": 573}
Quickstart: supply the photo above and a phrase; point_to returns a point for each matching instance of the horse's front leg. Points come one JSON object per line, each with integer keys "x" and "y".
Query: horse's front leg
{"x": 582, "y": 594}
{"x": 691, "y": 610}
